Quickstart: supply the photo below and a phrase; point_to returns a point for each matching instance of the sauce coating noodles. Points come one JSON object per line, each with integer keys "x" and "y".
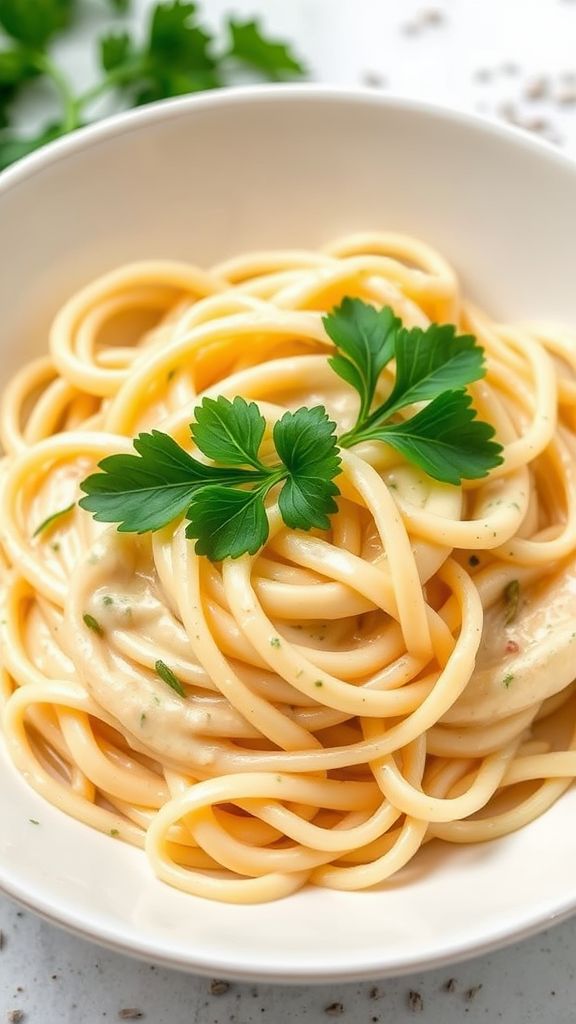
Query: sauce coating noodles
{"x": 350, "y": 695}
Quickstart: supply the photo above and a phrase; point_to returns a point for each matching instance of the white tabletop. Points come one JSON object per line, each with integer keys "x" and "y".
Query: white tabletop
{"x": 509, "y": 58}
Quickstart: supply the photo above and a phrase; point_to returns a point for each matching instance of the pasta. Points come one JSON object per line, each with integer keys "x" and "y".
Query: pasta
{"x": 350, "y": 694}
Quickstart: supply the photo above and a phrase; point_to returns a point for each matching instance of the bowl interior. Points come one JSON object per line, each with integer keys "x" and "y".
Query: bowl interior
{"x": 202, "y": 179}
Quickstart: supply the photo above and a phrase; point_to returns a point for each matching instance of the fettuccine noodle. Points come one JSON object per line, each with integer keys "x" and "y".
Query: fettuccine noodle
{"x": 350, "y": 695}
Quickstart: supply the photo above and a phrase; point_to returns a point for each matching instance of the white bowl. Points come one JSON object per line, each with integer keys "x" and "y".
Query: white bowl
{"x": 208, "y": 177}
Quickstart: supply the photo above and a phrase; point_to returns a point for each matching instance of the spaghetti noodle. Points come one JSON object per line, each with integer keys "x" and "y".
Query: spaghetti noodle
{"x": 350, "y": 694}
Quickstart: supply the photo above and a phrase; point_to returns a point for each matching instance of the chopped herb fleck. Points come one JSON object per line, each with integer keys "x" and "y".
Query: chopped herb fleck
{"x": 167, "y": 676}
{"x": 55, "y": 546}
{"x": 275, "y": 642}
{"x": 107, "y": 600}
{"x": 114, "y": 832}
{"x": 33, "y": 821}
{"x": 92, "y": 624}
{"x": 318, "y": 682}
{"x": 511, "y": 597}
{"x": 171, "y": 374}
{"x": 142, "y": 718}
{"x": 48, "y": 522}
{"x": 508, "y": 679}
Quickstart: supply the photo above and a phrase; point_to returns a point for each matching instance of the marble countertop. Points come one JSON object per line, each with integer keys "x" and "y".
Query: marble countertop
{"x": 513, "y": 59}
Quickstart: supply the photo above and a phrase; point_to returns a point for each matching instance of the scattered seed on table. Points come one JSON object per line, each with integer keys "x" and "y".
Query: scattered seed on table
{"x": 374, "y": 80}
{"x": 130, "y": 1013}
{"x": 472, "y": 992}
{"x": 218, "y": 987}
{"x": 374, "y": 992}
{"x": 450, "y": 985}
{"x": 537, "y": 88}
{"x": 415, "y": 1001}
{"x": 334, "y": 1009}
{"x": 535, "y": 124}
{"x": 432, "y": 16}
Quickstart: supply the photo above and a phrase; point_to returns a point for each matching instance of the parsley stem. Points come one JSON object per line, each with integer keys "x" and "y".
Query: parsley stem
{"x": 117, "y": 77}
{"x": 71, "y": 118}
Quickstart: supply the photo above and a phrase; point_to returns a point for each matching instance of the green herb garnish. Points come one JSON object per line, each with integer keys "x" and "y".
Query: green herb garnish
{"x": 176, "y": 54}
{"x": 167, "y": 676}
{"x": 225, "y": 506}
{"x": 50, "y": 520}
{"x": 225, "y": 500}
{"x": 511, "y": 598}
{"x": 92, "y": 624}
{"x": 508, "y": 679}
{"x": 445, "y": 438}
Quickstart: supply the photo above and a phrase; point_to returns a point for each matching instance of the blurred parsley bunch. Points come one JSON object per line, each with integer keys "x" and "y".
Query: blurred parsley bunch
{"x": 178, "y": 56}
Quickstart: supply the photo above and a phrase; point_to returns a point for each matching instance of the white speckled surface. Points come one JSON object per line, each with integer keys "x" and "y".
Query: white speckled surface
{"x": 483, "y": 55}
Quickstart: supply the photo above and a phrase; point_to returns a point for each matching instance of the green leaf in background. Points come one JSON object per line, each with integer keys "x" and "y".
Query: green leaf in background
{"x": 17, "y": 68}
{"x": 249, "y": 45}
{"x": 178, "y": 56}
{"x": 115, "y": 50}
{"x": 34, "y": 22}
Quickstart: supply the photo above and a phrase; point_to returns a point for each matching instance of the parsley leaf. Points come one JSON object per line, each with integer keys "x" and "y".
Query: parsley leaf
{"x": 249, "y": 45}
{"x": 17, "y": 68}
{"x": 229, "y": 432}
{"x": 146, "y": 491}
{"x": 175, "y": 58}
{"x": 364, "y": 337}
{"x": 226, "y": 522}
{"x": 34, "y": 22}
{"x": 429, "y": 362}
{"x": 306, "y": 443}
{"x": 115, "y": 50}
{"x": 445, "y": 439}
{"x": 178, "y": 55}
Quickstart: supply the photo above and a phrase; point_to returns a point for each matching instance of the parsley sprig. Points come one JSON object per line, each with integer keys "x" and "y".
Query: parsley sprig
{"x": 224, "y": 499}
{"x": 177, "y": 55}
{"x": 434, "y": 364}
{"x": 224, "y": 504}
